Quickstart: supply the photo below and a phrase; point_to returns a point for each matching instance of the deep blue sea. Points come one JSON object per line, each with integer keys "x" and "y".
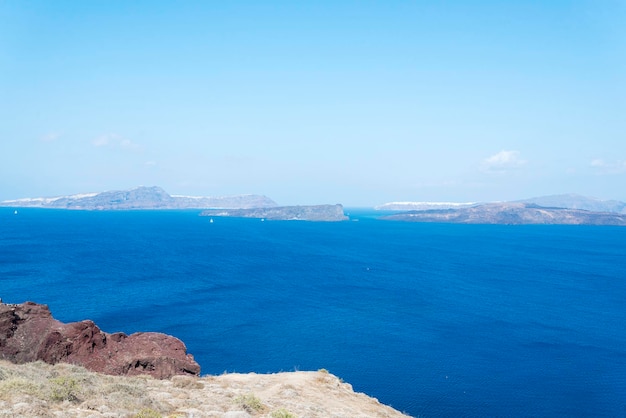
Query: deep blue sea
{"x": 435, "y": 320}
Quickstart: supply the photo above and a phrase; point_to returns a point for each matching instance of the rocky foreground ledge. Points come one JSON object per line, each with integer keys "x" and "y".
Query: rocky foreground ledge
{"x": 28, "y": 332}
{"x": 44, "y": 373}
{"x": 63, "y": 390}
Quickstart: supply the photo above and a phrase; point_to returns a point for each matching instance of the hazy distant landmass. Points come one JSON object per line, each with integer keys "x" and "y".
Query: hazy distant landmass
{"x": 141, "y": 198}
{"x": 245, "y": 206}
{"x": 326, "y": 213}
{"x": 512, "y": 213}
{"x": 423, "y": 205}
{"x": 565, "y": 201}
{"x": 574, "y": 201}
{"x": 554, "y": 209}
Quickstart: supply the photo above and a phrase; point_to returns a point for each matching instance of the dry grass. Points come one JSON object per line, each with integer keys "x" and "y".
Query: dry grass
{"x": 63, "y": 390}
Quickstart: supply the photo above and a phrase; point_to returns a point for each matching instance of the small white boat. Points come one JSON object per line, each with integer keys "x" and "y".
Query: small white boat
{"x": 15, "y": 213}
{"x": 211, "y": 220}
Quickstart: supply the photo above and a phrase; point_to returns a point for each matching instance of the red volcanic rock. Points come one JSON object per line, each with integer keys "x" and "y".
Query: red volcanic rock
{"x": 28, "y": 332}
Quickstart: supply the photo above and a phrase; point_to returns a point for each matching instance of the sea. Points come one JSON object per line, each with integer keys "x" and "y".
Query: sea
{"x": 435, "y": 320}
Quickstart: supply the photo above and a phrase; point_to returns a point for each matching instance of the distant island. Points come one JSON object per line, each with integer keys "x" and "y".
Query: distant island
{"x": 141, "y": 198}
{"x": 565, "y": 209}
{"x": 404, "y": 206}
{"x": 575, "y": 201}
{"x": 511, "y": 213}
{"x": 569, "y": 209}
{"x": 319, "y": 213}
{"x": 564, "y": 201}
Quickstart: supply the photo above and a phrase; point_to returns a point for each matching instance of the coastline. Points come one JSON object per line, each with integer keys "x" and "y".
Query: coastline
{"x": 43, "y": 390}
{"x": 49, "y": 367}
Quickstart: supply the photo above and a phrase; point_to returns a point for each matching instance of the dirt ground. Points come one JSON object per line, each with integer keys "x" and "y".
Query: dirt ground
{"x": 63, "y": 390}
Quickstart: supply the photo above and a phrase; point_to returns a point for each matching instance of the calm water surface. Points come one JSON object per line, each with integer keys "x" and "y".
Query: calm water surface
{"x": 433, "y": 319}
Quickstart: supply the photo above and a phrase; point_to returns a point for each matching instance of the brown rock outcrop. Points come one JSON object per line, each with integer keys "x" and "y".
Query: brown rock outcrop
{"x": 28, "y": 332}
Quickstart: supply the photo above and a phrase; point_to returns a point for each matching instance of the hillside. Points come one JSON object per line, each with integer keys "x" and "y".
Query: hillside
{"x": 511, "y": 214}
{"x": 563, "y": 201}
{"x": 321, "y": 213}
{"x": 42, "y": 390}
{"x": 574, "y": 201}
{"x": 140, "y": 198}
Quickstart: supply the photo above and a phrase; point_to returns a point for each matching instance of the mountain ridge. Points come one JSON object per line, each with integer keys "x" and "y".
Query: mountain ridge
{"x": 319, "y": 213}
{"x": 512, "y": 213}
{"x": 141, "y": 197}
{"x": 576, "y": 201}
{"x": 563, "y": 201}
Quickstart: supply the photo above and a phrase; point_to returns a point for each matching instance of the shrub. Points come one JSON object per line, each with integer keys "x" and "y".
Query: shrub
{"x": 250, "y": 403}
{"x": 323, "y": 376}
{"x": 282, "y": 413}
{"x": 64, "y": 388}
{"x": 130, "y": 388}
{"x": 147, "y": 413}
{"x": 18, "y": 385}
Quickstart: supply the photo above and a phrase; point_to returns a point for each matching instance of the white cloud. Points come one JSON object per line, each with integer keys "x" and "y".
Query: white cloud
{"x": 503, "y": 161}
{"x": 115, "y": 141}
{"x": 104, "y": 140}
{"x": 608, "y": 167}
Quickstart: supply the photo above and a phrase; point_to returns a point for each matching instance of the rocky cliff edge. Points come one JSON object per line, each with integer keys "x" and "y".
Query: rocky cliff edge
{"x": 28, "y": 332}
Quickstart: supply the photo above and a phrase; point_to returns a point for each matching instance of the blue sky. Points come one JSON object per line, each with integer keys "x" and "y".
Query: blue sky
{"x": 353, "y": 102}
